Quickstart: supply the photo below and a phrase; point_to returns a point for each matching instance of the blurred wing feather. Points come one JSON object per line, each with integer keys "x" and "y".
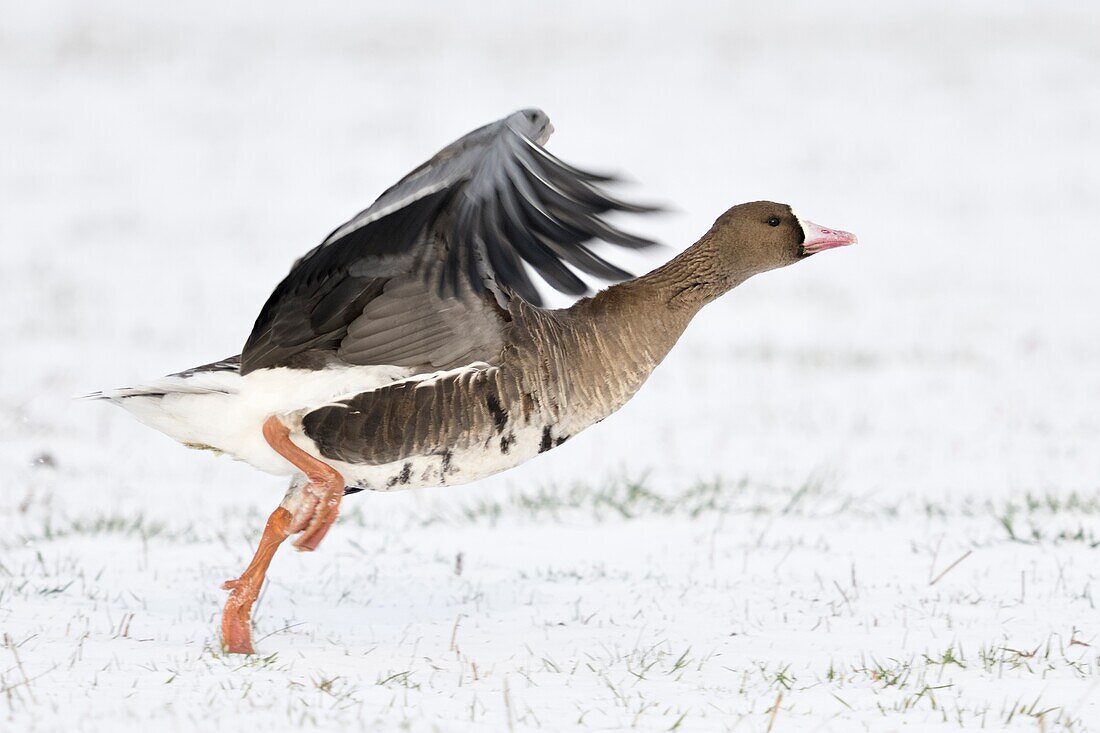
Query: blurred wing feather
{"x": 421, "y": 277}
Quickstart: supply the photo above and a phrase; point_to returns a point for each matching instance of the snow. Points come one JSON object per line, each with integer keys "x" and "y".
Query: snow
{"x": 862, "y": 493}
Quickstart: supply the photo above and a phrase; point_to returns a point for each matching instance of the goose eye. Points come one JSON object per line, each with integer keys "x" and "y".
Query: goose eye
{"x": 774, "y": 221}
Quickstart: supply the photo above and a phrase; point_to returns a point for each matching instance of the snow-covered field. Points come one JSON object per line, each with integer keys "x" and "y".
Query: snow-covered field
{"x": 863, "y": 493}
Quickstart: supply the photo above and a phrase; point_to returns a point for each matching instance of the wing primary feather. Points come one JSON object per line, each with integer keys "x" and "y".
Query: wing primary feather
{"x": 515, "y": 226}
{"x": 505, "y": 262}
{"x": 580, "y": 192}
{"x": 596, "y": 228}
{"x": 544, "y": 154}
{"x": 589, "y": 262}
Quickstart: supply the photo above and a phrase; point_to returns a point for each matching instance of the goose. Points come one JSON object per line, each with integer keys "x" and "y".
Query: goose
{"x": 411, "y": 347}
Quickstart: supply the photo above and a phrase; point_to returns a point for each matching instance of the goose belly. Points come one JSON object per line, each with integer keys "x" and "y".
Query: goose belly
{"x": 449, "y": 428}
{"x": 449, "y": 466}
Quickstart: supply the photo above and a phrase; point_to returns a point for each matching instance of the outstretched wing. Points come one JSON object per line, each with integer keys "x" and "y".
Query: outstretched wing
{"x": 420, "y": 276}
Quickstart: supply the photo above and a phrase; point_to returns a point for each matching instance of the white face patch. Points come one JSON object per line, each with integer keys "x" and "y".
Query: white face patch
{"x": 801, "y": 224}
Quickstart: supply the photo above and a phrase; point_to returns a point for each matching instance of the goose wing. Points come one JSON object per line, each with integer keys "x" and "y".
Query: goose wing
{"x": 423, "y": 276}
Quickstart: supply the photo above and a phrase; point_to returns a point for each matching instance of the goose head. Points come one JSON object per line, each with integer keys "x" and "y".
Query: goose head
{"x": 763, "y": 235}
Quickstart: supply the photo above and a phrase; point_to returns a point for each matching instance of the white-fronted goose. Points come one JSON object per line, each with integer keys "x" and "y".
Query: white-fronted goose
{"x": 409, "y": 348}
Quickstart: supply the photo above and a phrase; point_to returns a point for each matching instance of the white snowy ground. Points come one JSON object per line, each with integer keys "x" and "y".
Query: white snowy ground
{"x": 862, "y": 494}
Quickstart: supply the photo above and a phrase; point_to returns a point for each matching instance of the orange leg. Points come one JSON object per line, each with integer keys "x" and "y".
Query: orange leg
{"x": 321, "y": 498}
{"x": 318, "y": 506}
{"x": 237, "y": 615}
